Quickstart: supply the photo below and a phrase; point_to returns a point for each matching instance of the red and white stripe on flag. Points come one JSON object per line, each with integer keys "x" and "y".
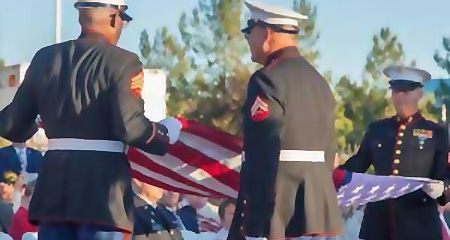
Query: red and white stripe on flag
{"x": 208, "y": 224}
{"x": 204, "y": 162}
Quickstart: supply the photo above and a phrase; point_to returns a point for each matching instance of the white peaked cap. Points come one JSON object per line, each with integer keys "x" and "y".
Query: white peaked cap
{"x": 274, "y": 14}
{"x": 406, "y": 73}
{"x": 112, "y": 2}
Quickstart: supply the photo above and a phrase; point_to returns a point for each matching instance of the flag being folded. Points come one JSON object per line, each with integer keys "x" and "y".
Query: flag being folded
{"x": 206, "y": 162}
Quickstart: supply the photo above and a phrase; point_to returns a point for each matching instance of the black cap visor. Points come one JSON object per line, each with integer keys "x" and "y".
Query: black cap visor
{"x": 277, "y": 28}
{"x": 404, "y": 85}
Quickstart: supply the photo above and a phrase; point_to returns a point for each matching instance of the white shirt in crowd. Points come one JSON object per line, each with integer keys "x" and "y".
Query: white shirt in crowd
{"x": 22, "y": 154}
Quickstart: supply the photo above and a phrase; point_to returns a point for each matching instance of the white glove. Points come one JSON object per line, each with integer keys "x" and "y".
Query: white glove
{"x": 173, "y": 127}
{"x": 255, "y": 238}
{"x": 434, "y": 189}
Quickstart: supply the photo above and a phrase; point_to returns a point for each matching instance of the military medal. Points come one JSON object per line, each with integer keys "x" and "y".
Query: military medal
{"x": 422, "y": 135}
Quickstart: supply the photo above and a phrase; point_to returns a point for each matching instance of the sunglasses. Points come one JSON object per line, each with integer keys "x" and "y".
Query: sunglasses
{"x": 125, "y": 17}
{"x": 251, "y": 24}
{"x": 122, "y": 8}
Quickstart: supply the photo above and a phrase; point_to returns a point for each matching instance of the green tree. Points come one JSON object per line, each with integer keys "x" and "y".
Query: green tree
{"x": 2, "y": 63}
{"x": 308, "y": 35}
{"x": 209, "y": 67}
{"x": 442, "y": 94}
{"x": 365, "y": 102}
{"x": 386, "y": 51}
{"x": 444, "y": 60}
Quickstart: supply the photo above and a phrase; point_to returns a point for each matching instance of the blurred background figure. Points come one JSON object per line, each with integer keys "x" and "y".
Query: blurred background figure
{"x": 226, "y": 213}
{"x": 188, "y": 211}
{"x": 19, "y": 158}
{"x": 168, "y": 206}
{"x": 198, "y": 215}
{"x": 7, "y": 184}
{"x": 150, "y": 223}
{"x": 19, "y": 223}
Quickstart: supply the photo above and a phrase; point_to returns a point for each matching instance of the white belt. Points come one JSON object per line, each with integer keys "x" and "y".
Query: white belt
{"x": 74, "y": 144}
{"x": 298, "y": 156}
{"x": 302, "y": 156}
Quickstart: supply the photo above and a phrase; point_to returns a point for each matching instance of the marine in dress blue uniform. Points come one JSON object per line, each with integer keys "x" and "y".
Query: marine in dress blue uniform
{"x": 286, "y": 189}
{"x": 88, "y": 94}
{"x": 404, "y": 145}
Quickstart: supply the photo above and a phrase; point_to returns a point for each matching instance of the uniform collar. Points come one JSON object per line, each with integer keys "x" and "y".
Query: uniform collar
{"x": 93, "y": 35}
{"x": 407, "y": 120}
{"x": 284, "y": 52}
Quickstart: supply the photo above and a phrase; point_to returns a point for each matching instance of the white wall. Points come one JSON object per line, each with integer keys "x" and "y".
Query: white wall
{"x": 154, "y": 94}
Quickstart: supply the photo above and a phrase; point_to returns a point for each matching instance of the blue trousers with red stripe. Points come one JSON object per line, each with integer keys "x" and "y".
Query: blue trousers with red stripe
{"x": 73, "y": 231}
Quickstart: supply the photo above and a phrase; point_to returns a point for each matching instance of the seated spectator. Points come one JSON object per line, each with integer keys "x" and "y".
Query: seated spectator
{"x": 19, "y": 223}
{"x": 6, "y": 195}
{"x": 150, "y": 223}
{"x": 226, "y": 213}
{"x": 168, "y": 205}
{"x": 198, "y": 215}
{"x": 19, "y": 158}
{"x": 188, "y": 211}
{"x": 208, "y": 217}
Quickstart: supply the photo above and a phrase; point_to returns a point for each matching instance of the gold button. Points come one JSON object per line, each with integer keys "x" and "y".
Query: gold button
{"x": 398, "y": 152}
{"x": 242, "y": 214}
{"x": 397, "y": 161}
{"x": 399, "y": 142}
{"x": 402, "y": 127}
{"x": 401, "y": 134}
{"x": 395, "y": 172}
{"x": 242, "y": 228}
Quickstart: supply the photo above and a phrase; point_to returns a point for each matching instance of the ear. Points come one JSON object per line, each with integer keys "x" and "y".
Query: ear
{"x": 420, "y": 94}
{"x": 269, "y": 34}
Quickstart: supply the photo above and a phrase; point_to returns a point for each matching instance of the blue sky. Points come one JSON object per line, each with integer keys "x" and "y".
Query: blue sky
{"x": 346, "y": 28}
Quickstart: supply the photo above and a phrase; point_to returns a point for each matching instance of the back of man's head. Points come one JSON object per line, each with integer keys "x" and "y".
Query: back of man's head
{"x": 103, "y": 20}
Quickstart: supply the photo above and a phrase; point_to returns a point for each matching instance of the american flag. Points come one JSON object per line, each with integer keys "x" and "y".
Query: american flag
{"x": 206, "y": 162}
{"x": 365, "y": 188}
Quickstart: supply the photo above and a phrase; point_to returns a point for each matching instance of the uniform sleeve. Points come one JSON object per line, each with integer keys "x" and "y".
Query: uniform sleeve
{"x": 18, "y": 119}
{"x": 441, "y": 167}
{"x": 266, "y": 109}
{"x": 363, "y": 159}
{"x": 129, "y": 122}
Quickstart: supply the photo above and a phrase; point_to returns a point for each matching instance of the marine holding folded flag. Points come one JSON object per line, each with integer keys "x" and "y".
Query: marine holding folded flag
{"x": 405, "y": 145}
{"x": 286, "y": 186}
{"x": 88, "y": 94}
